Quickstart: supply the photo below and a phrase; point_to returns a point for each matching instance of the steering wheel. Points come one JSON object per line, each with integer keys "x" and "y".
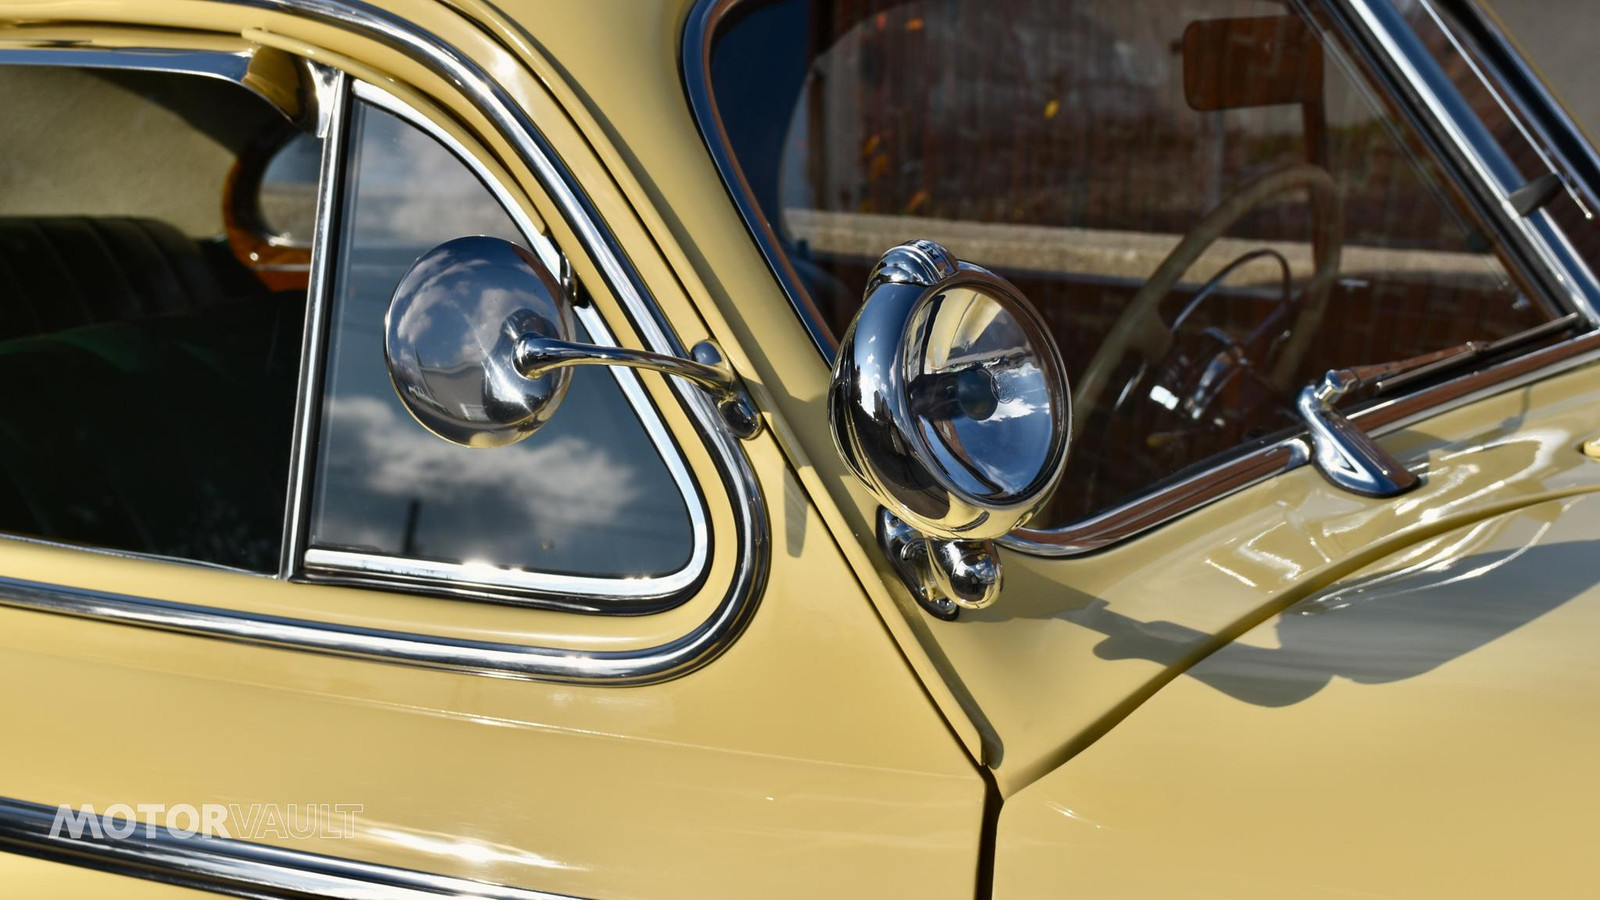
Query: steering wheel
{"x": 1140, "y": 326}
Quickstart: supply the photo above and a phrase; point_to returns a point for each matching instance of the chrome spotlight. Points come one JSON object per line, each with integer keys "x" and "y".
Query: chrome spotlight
{"x": 950, "y": 402}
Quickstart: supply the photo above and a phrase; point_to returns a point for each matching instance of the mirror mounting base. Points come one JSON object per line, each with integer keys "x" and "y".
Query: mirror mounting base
{"x": 738, "y": 412}
{"x": 944, "y": 576}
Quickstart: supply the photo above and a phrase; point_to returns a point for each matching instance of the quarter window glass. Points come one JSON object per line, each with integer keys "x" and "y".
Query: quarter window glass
{"x": 150, "y": 372}
{"x": 587, "y": 495}
{"x": 1074, "y": 147}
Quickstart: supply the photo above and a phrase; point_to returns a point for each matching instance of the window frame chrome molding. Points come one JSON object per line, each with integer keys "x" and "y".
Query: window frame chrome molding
{"x": 225, "y": 865}
{"x": 695, "y": 67}
{"x": 750, "y": 543}
{"x": 334, "y": 100}
{"x": 549, "y": 590}
{"x": 1464, "y": 141}
{"x": 1540, "y": 109}
{"x": 1540, "y": 245}
{"x": 224, "y": 65}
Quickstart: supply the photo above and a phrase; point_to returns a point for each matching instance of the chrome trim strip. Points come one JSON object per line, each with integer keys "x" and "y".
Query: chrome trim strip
{"x": 1542, "y": 111}
{"x": 1111, "y": 526}
{"x": 6, "y": 538}
{"x": 501, "y": 584}
{"x": 751, "y": 543}
{"x": 1472, "y": 145}
{"x": 220, "y": 64}
{"x": 226, "y": 65}
{"x": 1239, "y": 473}
{"x": 573, "y": 593}
{"x": 229, "y": 866}
{"x": 487, "y": 657}
{"x": 695, "y": 63}
{"x": 335, "y": 88}
{"x": 1556, "y": 262}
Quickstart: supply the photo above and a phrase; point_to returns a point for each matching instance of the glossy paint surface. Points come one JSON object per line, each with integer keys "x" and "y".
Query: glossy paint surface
{"x": 1063, "y": 655}
{"x": 1099, "y": 634}
{"x": 1421, "y": 728}
{"x": 831, "y": 749}
{"x": 807, "y": 759}
{"x": 804, "y": 758}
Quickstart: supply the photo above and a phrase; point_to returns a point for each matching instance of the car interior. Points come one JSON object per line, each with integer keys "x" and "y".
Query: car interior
{"x": 150, "y": 347}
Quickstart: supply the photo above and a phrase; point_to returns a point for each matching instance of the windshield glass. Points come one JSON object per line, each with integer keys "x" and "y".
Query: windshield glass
{"x": 1207, "y": 200}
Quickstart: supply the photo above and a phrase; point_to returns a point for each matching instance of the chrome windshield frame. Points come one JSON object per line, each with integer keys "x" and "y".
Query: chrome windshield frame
{"x": 1539, "y": 246}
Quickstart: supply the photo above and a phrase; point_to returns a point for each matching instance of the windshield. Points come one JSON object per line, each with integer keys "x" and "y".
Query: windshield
{"x": 1207, "y": 200}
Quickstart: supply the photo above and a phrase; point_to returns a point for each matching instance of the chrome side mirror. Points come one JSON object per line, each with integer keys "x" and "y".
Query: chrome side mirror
{"x": 950, "y": 402}
{"x": 478, "y": 341}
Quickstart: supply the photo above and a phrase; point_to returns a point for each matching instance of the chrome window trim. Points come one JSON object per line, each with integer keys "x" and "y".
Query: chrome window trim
{"x": 231, "y": 866}
{"x": 751, "y": 542}
{"x": 481, "y": 657}
{"x": 1541, "y": 110}
{"x": 1240, "y": 472}
{"x": 334, "y": 90}
{"x": 230, "y": 66}
{"x": 1473, "y": 148}
{"x": 1551, "y": 259}
{"x": 695, "y": 62}
{"x": 573, "y": 593}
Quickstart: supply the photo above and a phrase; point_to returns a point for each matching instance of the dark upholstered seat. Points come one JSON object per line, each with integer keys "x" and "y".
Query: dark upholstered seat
{"x": 61, "y": 272}
{"x": 145, "y": 406}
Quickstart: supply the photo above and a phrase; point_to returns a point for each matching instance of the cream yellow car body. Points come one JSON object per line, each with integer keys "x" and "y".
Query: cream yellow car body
{"x": 845, "y": 743}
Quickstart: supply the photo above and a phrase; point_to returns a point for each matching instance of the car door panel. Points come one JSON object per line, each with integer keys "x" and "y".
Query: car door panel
{"x": 733, "y": 778}
{"x": 808, "y": 721}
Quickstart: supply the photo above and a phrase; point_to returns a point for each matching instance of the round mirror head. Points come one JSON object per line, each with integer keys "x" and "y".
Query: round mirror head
{"x": 949, "y": 398}
{"x": 451, "y": 334}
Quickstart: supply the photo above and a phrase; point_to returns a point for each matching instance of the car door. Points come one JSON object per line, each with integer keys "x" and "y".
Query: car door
{"x": 264, "y": 633}
{"x": 1093, "y": 154}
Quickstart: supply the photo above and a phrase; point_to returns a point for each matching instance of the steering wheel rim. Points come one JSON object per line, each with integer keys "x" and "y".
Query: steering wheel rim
{"x": 1140, "y": 327}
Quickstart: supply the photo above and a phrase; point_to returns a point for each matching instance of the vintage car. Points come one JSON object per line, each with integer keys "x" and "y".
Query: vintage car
{"x": 794, "y": 448}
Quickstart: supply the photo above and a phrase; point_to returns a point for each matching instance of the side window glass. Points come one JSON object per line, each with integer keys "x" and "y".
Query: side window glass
{"x": 1207, "y": 201}
{"x": 589, "y": 495}
{"x": 150, "y": 372}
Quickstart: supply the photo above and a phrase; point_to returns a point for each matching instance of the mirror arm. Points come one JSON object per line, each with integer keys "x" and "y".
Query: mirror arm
{"x": 537, "y": 356}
